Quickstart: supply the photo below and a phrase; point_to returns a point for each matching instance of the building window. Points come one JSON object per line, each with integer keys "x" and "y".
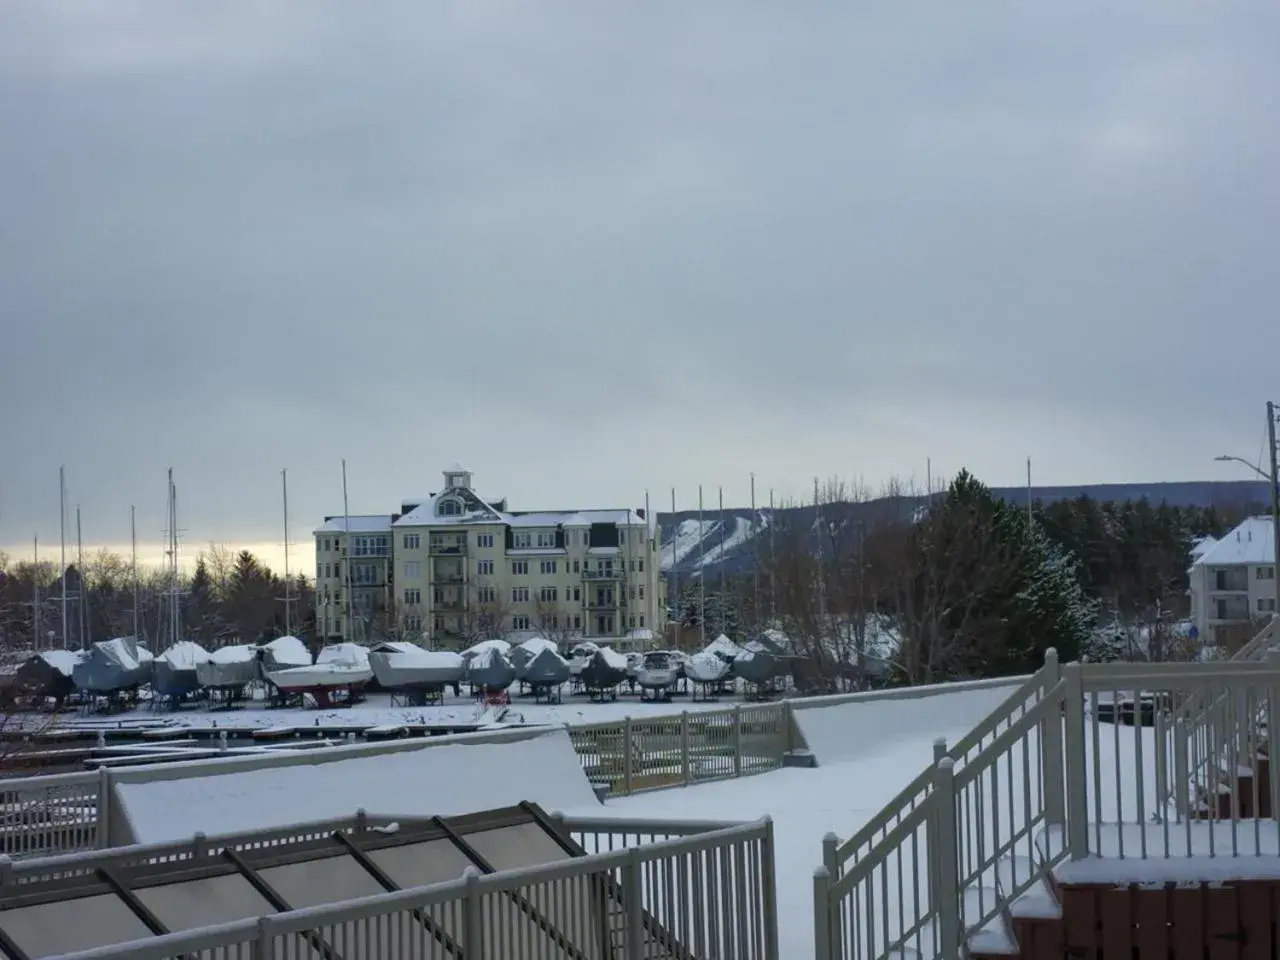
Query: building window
{"x": 520, "y": 622}
{"x": 364, "y": 574}
{"x": 484, "y": 539}
{"x": 642, "y": 621}
{"x": 577, "y": 594}
{"x": 547, "y": 594}
{"x": 604, "y": 625}
{"x": 521, "y": 541}
{"x": 546, "y": 539}
{"x": 631, "y": 622}
{"x": 413, "y": 624}
{"x": 548, "y": 566}
{"x": 412, "y": 596}
{"x": 412, "y": 541}
{"x": 448, "y": 507}
{"x": 1266, "y": 604}
{"x": 484, "y": 568}
{"x": 486, "y": 595}
{"x": 519, "y": 594}
{"x": 438, "y": 624}
{"x": 622, "y": 536}
{"x": 642, "y": 591}
{"x": 577, "y": 621}
{"x": 411, "y": 570}
{"x": 370, "y": 546}
{"x": 1266, "y": 573}
{"x": 520, "y": 568}
{"x": 327, "y": 543}
{"x": 577, "y": 567}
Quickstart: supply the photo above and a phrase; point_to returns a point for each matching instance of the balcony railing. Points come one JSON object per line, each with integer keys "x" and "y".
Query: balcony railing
{"x": 450, "y": 577}
{"x": 447, "y": 549}
{"x": 609, "y": 574}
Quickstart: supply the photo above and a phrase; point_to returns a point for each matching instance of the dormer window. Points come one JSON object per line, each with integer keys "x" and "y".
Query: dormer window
{"x": 448, "y": 507}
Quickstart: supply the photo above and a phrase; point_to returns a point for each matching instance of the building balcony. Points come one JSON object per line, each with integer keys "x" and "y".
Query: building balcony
{"x": 603, "y": 574}
{"x": 449, "y": 606}
{"x": 448, "y": 578}
{"x": 447, "y": 549}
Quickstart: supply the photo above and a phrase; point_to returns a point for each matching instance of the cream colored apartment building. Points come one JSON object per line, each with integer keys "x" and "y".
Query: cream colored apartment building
{"x": 453, "y": 568}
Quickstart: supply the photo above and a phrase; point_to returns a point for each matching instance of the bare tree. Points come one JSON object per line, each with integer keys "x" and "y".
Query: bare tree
{"x": 484, "y": 616}
{"x": 555, "y": 624}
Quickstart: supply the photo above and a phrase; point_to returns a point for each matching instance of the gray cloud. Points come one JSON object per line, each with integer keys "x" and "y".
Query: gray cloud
{"x": 590, "y": 250}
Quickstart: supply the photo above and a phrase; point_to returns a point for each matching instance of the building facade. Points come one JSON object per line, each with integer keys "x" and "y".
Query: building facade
{"x": 454, "y": 568}
{"x": 1232, "y": 581}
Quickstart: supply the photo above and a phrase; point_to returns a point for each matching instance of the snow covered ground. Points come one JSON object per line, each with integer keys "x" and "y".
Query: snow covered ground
{"x": 377, "y": 711}
{"x": 884, "y": 745}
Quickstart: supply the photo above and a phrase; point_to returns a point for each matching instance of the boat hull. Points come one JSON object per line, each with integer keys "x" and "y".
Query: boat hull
{"x": 395, "y": 671}
{"x": 317, "y": 677}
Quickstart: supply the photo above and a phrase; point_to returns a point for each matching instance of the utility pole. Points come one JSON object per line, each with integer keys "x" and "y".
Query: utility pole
{"x": 1275, "y": 503}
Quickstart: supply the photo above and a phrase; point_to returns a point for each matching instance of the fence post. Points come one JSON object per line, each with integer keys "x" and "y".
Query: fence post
{"x": 822, "y": 915}
{"x": 633, "y": 891}
{"x": 265, "y": 947}
{"x": 627, "y": 772}
{"x": 1273, "y": 728}
{"x": 1077, "y": 787}
{"x": 939, "y": 754}
{"x": 788, "y": 727}
{"x": 769, "y": 889}
{"x": 472, "y": 916}
{"x": 198, "y": 846}
{"x": 1055, "y": 812}
{"x": 104, "y": 807}
{"x": 737, "y": 739}
{"x": 943, "y": 853}
{"x": 686, "y": 767}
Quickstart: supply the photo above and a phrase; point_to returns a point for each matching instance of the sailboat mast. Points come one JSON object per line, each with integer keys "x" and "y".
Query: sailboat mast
{"x": 755, "y": 585}
{"x": 80, "y": 591}
{"x": 62, "y": 525}
{"x": 36, "y": 618}
{"x": 674, "y": 601}
{"x": 773, "y": 565}
{"x": 174, "y": 586}
{"x": 724, "y": 611}
{"x": 702, "y": 577}
{"x": 346, "y": 559}
{"x": 133, "y": 541}
{"x": 288, "y": 582}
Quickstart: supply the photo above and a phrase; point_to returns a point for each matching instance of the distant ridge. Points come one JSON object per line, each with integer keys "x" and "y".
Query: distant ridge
{"x": 688, "y": 550}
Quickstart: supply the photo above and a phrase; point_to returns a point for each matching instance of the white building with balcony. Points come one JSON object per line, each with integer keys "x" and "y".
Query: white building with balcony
{"x": 1233, "y": 580}
{"x": 455, "y": 567}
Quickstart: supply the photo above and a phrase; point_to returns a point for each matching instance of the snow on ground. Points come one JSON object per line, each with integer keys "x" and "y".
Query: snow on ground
{"x": 877, "y": 759}
{"x": 436, "y": 780}
{"x": 377, "y": 711}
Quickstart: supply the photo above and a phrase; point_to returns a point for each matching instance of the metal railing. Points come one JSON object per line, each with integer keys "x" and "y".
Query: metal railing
{"x": 712, "y": 894}
{"x": 633, "y": 755}
{"x": 43, "y": 815}
{"x": 1084, "y": 762}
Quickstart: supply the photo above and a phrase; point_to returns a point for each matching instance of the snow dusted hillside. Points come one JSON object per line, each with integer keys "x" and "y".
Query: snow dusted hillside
{"x": 692, "y": 549}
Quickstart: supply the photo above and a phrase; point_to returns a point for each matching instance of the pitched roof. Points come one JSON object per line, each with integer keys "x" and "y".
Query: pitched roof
{"x": 362, "y": 523}
{"x": 1251, "y": 542}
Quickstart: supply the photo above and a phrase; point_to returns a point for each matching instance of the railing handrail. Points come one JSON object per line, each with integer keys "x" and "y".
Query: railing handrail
{"x": 309, "y": 918}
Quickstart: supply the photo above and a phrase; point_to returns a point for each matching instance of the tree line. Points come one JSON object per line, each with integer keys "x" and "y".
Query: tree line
{"x": 956, "y": 583}
{"x": 229, "y": 597}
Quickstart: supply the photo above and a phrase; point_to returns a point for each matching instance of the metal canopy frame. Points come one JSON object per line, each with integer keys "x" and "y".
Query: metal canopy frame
{"x": 124, "y": 881}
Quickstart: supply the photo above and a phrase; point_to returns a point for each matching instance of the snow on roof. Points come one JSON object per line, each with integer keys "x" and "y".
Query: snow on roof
{"x": 184, "y": 655}
{"x": 359, "y": 523}
{"x": 456, "y": 467}
{"x": 1201, "y": 545}
{"x": 1251, "y": 542}
{"x": 445, "y": 779}
{"x": 236, "y": 653}
{"x": 64, "y": 661}
{"x": 640, "y": 633}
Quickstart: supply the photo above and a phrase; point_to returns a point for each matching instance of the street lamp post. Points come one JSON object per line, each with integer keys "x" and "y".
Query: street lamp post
{"x": 1273, "y": 479}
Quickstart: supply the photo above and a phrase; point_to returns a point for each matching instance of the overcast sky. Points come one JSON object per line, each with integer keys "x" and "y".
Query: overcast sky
{"x": 589, "y": 248}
